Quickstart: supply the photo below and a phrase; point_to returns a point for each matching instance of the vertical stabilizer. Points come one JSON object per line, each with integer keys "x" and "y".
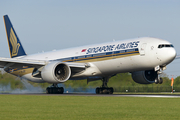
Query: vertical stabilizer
{"x": 15, "y": 47}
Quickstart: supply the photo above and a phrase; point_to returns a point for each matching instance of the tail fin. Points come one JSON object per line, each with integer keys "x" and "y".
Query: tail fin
{"x": 15, "y": 47}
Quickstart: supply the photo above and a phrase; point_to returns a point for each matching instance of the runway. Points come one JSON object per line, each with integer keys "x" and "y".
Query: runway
{"x": 100, "y": 95}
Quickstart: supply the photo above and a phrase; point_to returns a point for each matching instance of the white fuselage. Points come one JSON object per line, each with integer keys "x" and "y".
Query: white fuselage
{"x": 112, "y": 57}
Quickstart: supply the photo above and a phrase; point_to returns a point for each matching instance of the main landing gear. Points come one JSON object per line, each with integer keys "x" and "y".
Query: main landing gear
{"x": 54, "y": 89}
{"x": 104, "y": 89}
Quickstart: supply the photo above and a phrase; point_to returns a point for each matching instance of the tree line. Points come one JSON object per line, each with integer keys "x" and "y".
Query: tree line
{"x": 120, "y": 80}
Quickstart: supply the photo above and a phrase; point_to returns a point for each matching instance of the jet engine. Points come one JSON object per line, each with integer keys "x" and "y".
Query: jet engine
{"x": 56, "y": 72}
{"x": 145, "y": 77}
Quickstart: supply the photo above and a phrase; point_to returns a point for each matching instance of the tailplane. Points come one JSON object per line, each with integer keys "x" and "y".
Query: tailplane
{"x": 15, "y": 47}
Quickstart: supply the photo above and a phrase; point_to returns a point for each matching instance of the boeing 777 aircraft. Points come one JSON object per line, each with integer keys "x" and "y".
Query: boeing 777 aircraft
{"x": 145, "y": 58}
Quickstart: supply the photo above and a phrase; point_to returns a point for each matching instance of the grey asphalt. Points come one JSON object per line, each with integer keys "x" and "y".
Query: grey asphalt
{"x": 105, "y": 95}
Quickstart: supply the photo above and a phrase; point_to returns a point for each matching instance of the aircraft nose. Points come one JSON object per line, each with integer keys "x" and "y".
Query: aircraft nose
{"x": 171, "y": 53}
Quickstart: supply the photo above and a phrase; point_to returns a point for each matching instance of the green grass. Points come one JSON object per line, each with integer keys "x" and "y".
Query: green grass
{"x": 30, "y": 107}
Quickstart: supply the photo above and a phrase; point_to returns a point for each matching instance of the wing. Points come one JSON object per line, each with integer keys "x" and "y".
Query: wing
{"x": 19, "y": 63}
{"x": 14, "y": 63}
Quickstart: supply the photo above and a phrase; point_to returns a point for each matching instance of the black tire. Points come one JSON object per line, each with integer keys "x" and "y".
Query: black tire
{"x": 105, "y": 90}
{"x": 61, "y": 90}
{"x": 160, "y": 81}
{"x": 50, "y": 90}
{"x": 53, "y": 90}
{"x": 100, "y": 90}
{"x": 111, "y": 90}
{"x": 156, "y": 81}
{"x": 47, "y": 90}
{"x": 97, "y": 90}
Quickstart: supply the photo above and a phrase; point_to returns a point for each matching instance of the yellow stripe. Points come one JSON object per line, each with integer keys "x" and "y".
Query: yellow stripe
{"x": 15, "y": 45}
{"x": 22, "y": 72}
{"x": 101, "y": 59}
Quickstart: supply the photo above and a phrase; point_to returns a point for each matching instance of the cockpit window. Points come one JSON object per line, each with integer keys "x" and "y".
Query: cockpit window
{"x": 165, "y": 45}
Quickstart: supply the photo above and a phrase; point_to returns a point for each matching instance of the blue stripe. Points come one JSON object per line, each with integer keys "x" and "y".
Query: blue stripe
{"x": 100, "y": 55}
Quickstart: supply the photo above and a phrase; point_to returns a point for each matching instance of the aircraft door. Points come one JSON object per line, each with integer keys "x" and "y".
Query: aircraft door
{"x": 142, "y": 49}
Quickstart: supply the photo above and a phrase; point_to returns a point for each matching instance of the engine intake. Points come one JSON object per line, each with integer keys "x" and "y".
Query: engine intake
{"x": 145, "y": 77}
{"x": 56, "y": 72}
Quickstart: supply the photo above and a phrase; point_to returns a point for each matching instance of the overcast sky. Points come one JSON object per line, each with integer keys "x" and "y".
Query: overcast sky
{"x": 45, "y": 25}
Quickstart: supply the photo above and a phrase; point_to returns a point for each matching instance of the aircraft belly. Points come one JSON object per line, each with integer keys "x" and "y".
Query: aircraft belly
{"x": 126, "y": 64}
{"x": 29, "y": 77}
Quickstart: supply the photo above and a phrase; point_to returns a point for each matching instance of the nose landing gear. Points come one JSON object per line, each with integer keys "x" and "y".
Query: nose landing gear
{"x": 159, "y": 81}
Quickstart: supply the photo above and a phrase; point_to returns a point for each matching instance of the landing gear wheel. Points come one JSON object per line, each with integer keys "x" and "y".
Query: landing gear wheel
{"x": 160, "y": 80}
{"x": 156, "y": 81}
{"x": 54, "y": 90}
{"x": 60, "y": 90}
{"x": 111, "y": 90}
{"x": 51, "y": 90}
{"x": 97, "y": 90}
{"x": 47, "y": 90}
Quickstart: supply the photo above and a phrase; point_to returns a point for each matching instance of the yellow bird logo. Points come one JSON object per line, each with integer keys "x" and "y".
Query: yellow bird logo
{"x": 15, "y": 45}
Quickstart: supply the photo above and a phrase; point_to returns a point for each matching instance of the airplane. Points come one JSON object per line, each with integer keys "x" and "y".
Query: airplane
{"x": 145, "y": 58}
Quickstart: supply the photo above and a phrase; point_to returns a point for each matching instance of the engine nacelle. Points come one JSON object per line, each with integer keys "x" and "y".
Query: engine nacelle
{"x": 56, "y": 72}
{"x": 145, "y": 77}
